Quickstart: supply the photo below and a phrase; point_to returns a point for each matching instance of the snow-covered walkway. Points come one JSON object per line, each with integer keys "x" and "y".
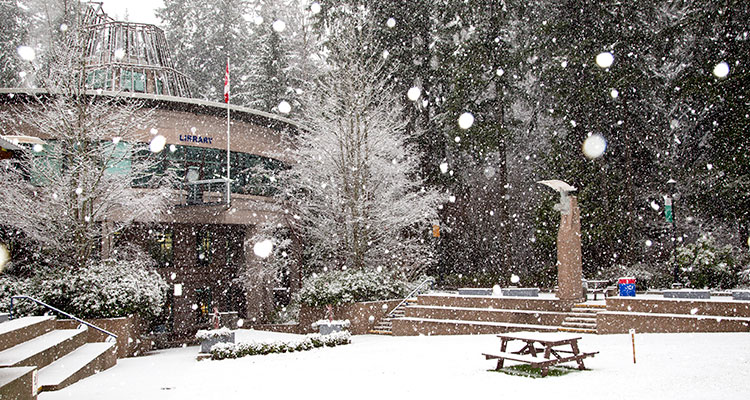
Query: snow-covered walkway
{"x": 669, "y": 366}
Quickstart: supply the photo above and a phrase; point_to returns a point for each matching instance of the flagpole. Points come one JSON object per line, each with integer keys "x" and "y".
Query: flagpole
{"x": 226, "y": 94}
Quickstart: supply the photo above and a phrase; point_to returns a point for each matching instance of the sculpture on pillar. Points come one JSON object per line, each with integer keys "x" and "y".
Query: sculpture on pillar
{"x": 569, "y": 267}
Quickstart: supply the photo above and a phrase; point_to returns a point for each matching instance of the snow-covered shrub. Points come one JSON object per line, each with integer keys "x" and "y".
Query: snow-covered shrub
{"x": 222, "y": 351}
{"x": 342, "y": 287}
{"x": 705, "y": 265}
{"x": 14, "y": 286}
{"x": 103, "y": 289}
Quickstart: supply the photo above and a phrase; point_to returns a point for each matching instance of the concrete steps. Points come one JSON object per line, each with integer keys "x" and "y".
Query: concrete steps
{"x": 582, "y": 318}
{"x": 34, "y": 356}
{"x": 87, "y": 360}
{"x": 18, "y": 383}
{"x": 385, "y": 324}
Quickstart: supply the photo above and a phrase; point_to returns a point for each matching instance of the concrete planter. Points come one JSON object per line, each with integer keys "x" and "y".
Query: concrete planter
{"x": 326, "y": 327}
{"x": 687, "y": 294}
{"x": 207, "y": 343}
{"x": 521, "y": 292}
{"x": 475, "y": 291}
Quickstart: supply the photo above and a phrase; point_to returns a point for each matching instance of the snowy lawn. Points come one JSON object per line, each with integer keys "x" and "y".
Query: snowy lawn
{"x": 669, "y": 366}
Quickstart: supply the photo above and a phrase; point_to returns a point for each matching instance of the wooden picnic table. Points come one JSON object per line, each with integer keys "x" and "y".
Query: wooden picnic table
{"x": 540, "y": 350}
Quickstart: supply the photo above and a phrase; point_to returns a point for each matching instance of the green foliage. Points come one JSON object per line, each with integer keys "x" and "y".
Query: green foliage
{"x": 703, "y": 264}
{"x": 342, "y": 287}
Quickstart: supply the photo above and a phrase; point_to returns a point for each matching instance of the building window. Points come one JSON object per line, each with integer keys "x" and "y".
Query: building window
{"x": 160, "y": 246}
{"x": 203, "y": 248}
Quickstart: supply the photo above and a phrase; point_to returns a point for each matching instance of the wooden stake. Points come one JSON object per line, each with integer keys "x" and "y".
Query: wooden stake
{"x": 632, "y": 338}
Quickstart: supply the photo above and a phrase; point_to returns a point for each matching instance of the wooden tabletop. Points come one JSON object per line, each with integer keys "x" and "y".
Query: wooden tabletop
{"x": 541, "y": 337}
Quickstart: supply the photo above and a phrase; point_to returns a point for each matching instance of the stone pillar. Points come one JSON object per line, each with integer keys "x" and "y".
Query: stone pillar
{"x": 569, "y": 269}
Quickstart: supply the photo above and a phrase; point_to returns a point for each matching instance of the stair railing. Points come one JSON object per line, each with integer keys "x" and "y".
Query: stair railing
{"x": 416, "y": 290}
{"x": 41, "y": 303}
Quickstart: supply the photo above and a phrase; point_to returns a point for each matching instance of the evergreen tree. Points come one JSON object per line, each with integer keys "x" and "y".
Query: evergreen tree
{"x": 12, "y": 35}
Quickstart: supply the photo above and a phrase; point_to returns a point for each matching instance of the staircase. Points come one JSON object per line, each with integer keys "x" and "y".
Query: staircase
{"x": 582, "y": 318}
{"x": 385, "y": 325}
{"x": 35, "y": 356}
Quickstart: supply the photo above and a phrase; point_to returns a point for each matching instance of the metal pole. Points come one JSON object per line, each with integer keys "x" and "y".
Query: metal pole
{"x": 229, "y": 178}
{"x": 674, "y": 245}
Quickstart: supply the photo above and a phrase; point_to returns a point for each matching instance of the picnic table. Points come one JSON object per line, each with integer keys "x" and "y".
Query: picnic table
{"x": 596, "y": 287}
{"x": 540, "y": 350}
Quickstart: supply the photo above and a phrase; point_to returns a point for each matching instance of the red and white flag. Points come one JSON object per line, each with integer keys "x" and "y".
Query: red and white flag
{"x": 226, "y": 84}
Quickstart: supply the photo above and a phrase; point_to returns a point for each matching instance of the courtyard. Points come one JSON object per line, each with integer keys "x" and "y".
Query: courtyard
{"x": 668, "y": 366}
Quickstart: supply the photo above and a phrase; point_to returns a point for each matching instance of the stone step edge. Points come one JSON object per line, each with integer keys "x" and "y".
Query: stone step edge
{"x": 486, "y": 323}
{"x": 57, "y": 375}
{"x": 503, "y": 310}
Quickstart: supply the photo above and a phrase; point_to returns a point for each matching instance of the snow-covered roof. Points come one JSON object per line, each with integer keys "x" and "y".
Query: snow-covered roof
{"x": 185, "y": 104}
{"x": 8, "y": 145}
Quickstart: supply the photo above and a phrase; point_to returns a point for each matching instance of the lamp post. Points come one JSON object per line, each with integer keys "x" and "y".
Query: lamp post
{"x": 669, "y": 215}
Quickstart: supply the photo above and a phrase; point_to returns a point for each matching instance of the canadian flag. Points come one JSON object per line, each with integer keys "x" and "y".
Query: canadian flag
{"x": 226, "y": 84}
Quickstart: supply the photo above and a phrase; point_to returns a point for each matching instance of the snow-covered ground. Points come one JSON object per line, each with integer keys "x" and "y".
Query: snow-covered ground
{"x": 669, "y": 366}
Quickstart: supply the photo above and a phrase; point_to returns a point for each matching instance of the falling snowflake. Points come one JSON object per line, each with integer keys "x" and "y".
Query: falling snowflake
{"x": 285, "y": 107}
{"x": 466, "y": 120}
{"x": 391, "y": 22}
{"x": 315, "y": 8}
{"x": 594, "y": 146}
{"x": 721, "y": 70}
{"x": 414, "y": 93}
{"x": 605, "y": 59}
{"x": 26, "y": 53}
{"x": 157, "y": 144}
{"x": 263, "y": 248}
{"x": 278, "y": 26}
{"x": 444, "y": 167}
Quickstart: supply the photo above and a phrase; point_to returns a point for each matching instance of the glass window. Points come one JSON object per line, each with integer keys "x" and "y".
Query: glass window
{"x": 160, "y": 246}
{"x": 131, "y": 80}
{"x": 99, "y": 79}
{"x": 203, "y": 247}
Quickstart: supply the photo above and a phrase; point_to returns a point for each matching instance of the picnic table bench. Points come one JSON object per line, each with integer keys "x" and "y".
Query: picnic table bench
{"x": 541, "y": 350}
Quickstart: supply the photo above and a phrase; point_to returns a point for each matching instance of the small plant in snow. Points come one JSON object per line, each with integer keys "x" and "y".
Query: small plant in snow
{"x": 221, "y": 351}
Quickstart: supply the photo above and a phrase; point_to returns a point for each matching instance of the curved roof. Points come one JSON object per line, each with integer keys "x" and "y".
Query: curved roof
{"x": 197, "y": 106}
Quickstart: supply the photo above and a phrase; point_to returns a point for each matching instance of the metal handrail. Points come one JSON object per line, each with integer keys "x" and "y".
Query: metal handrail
{"x": 417, "y": 289}
{"x": 21, "y": 297}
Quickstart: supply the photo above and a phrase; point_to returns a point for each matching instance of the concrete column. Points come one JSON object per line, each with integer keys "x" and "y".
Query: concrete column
{"x": 569, "y": 268}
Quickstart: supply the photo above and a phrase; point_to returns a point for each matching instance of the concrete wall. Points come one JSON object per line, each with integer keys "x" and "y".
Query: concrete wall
{"x": 127, "y": 329}
{"x": 680, "y": 306}
{"x": 532, "y": 317}
{"x": 502, "y": 303}
{"x": 358, "y": 314}
{"x": 621, "y": 322}
{"x": 673, "y": 315}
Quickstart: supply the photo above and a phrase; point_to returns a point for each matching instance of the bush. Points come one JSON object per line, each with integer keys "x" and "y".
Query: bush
{"x": 342, "y": 287}
{"x": 704, "y": 265}
{"x": 104, "y": 289}
{"x": 221, "y": 351}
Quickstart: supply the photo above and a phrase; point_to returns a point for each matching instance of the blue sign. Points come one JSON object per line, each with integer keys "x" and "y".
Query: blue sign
{"x": 195, "y": 139}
